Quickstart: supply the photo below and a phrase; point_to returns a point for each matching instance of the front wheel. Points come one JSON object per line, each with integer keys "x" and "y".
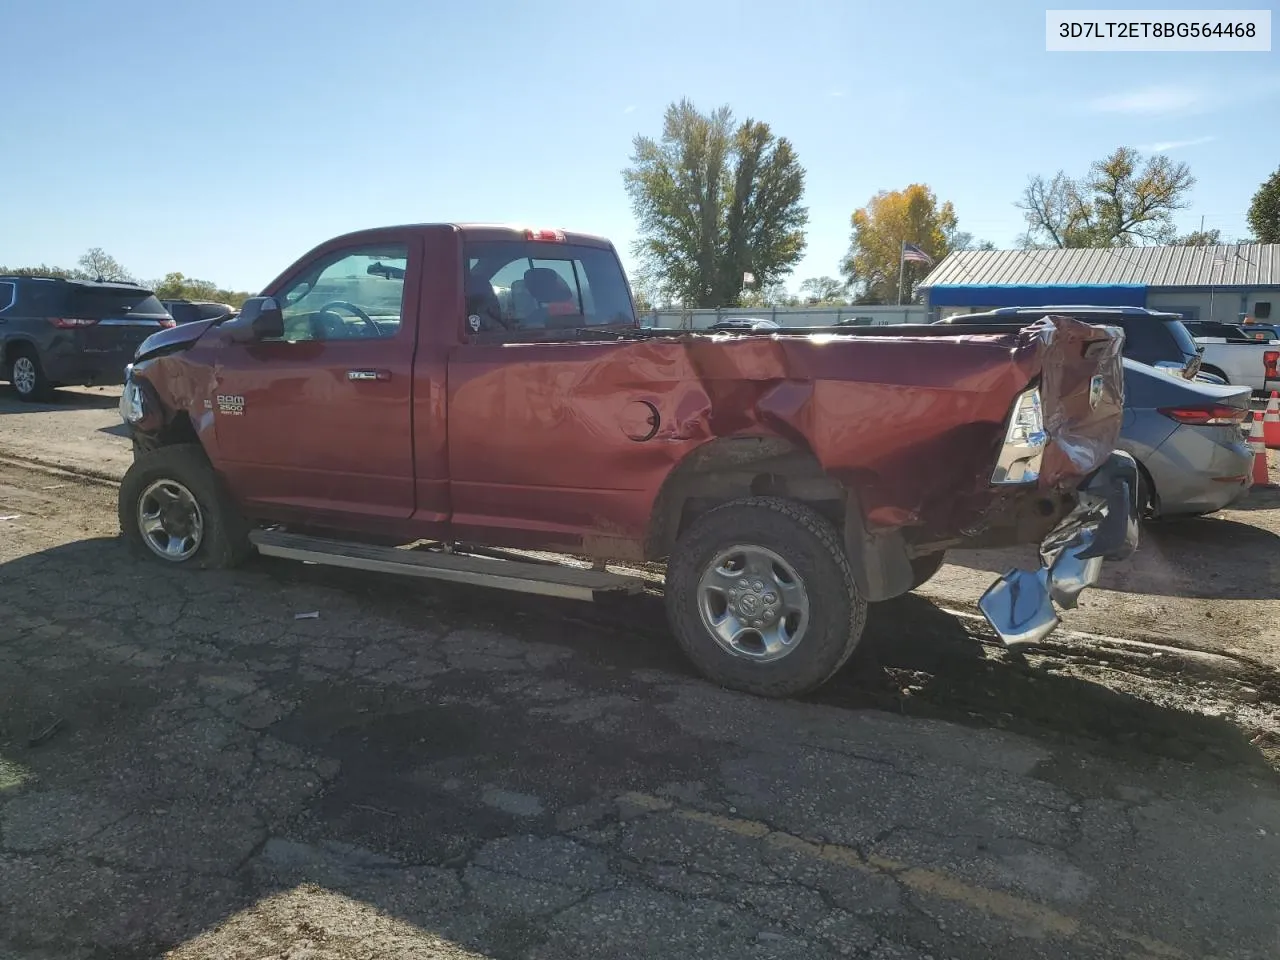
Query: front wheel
{"x": 761, "y": 597}
{"x": 173, "y": 508}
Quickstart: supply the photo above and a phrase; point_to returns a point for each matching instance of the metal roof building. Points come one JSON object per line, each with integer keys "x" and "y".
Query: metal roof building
{"x": 1224, "y": 282}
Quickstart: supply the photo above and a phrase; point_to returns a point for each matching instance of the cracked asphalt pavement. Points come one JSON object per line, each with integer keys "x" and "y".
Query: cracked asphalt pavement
{"x": 187, "y": 770}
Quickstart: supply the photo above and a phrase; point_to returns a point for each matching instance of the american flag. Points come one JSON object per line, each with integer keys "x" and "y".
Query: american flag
{"x": 911, "y": 252}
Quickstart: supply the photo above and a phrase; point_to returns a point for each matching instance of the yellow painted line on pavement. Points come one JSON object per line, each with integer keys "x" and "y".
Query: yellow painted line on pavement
{"x": 1032, "y": 918}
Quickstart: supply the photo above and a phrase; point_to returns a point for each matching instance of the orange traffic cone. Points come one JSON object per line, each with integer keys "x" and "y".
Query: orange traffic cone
{"x": 1271, "y": 422}
{"x": 1261, "y": 476}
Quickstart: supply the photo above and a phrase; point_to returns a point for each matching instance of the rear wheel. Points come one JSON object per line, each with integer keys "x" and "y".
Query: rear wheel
{"x": 26, "y": 375}
{"x": 761, "y": 597}
{"x": 173, "y": 508}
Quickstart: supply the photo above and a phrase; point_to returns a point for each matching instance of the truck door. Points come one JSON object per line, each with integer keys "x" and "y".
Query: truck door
{"x": 319, "y": 423}
{"x": 547, "y": 409}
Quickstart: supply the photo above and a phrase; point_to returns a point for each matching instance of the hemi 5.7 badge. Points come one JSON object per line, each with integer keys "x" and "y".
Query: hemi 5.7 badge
{"x": 232, "y": 406}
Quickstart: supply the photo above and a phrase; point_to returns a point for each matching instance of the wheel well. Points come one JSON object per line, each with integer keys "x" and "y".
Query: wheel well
{"x": 733, "y": 467}
{"x": 11, "y": 348}
{"x": 1216, "y": 371}
{"x": 178, "y": 430}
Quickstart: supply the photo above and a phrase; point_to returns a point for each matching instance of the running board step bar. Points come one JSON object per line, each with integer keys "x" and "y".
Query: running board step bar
{"x": 574, "y": 583}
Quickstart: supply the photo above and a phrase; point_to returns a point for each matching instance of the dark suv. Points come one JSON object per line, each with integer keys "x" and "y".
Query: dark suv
{"x": 56, "y": 332}
{"x": 189, "y": 311}
{"x": 1150, "y": 336}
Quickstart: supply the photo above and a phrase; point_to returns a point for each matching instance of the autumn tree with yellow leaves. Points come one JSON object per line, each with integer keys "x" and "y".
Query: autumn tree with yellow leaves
{"x": 911, "y": 215}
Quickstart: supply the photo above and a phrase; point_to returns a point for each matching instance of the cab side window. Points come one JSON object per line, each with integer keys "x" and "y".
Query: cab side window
{"x": 518, "y": 287}
{"x": 354, "y": 294}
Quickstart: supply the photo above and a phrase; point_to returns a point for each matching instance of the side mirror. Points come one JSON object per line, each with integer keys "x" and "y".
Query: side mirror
{"x": 260, "y": 319}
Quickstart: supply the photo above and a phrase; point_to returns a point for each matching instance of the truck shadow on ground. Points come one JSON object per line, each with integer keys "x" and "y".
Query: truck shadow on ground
{"x": 141, "y": 774}
{"x": 1204, "y": 558}
{"x": 914, "y": 659}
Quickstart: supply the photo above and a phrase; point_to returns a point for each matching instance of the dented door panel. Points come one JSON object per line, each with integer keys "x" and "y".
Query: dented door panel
{"x": 541, "y": 447}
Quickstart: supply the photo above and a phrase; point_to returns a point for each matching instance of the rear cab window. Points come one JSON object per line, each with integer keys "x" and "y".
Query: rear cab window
{"x": 8, "y": 294}
{"x": 518, "y": 288}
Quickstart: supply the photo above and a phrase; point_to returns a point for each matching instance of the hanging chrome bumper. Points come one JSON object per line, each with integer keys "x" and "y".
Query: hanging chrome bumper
{"x": 1104, "y": 525}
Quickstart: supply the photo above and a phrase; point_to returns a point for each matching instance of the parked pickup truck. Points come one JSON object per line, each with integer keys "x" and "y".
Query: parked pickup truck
{"x": 1238, "y": 358}
{"x": 381, "y": 408}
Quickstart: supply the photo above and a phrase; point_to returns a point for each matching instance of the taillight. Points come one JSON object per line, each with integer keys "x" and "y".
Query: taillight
{"x": 68, "y": 323}
{"x": 1024, "y": 441}
{"x": 167, "y": 323}
{"x": 555, "y": 236}
{"x": 1206, "y": 416}
{"x": 1269, "y": 360}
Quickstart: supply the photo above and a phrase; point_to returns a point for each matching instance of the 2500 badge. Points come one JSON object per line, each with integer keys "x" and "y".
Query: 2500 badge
{"x": 233, "y": 406}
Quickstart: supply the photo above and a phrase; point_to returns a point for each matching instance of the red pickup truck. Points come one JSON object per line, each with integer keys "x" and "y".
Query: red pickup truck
{"x": 457, "y": 402}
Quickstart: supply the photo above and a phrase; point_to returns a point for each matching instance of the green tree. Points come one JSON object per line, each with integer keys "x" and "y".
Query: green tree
{"x": 824, "y": 290}
{"x": 1200, "y": 238}
{"x": 913, "y": 215}
{"x": 1264, "y": 211}
{"x": 97, "y": 264}
{"x": 770, "y": 295}
{"x": 963, "y": 240}
{"x": 715, "y": 201}
{"x": 43, "y": 271}
{"x": 177, "y": 286}
{"x": 1122, "y": 201}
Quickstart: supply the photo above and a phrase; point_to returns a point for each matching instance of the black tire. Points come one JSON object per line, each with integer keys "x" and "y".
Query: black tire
{"x": 225, "y": 540}
{"x": 925, "y": 566}
{"x": 809, "y": 543}
{"x": 41, "y": 388}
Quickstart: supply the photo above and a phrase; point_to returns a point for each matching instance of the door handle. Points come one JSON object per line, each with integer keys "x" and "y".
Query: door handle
{"x": 368, "y": 374}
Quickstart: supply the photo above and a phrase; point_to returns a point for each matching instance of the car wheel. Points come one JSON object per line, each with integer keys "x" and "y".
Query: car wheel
{"x": 924, "y": 567}
{"x": 173, "y": 508}
{"x": 26, "y": 376}
{"x": 761, "y": 598}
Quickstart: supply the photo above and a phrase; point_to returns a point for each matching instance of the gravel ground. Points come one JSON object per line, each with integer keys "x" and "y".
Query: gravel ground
{"x": 187, "y": 770}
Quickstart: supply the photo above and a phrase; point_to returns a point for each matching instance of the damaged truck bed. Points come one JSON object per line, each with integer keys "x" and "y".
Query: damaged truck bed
{"x": 478, "y": 386}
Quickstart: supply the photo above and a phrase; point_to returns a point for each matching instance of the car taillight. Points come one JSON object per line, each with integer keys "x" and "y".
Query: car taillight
{"x": 1025, "y": 440}
{"x": 1269, "y": 360}
{"x": 556, "y": 236}
{"x": 68, "y": 323}
{"x": 167, "y": 323}
{"x": 1206, "y": 416}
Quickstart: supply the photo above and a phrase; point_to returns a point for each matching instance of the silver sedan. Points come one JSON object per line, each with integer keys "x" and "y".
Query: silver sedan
{"x": 1187, "y": 439}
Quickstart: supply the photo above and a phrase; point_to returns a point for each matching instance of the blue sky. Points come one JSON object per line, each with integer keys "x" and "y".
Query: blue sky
{"x": 224, "y": 140}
